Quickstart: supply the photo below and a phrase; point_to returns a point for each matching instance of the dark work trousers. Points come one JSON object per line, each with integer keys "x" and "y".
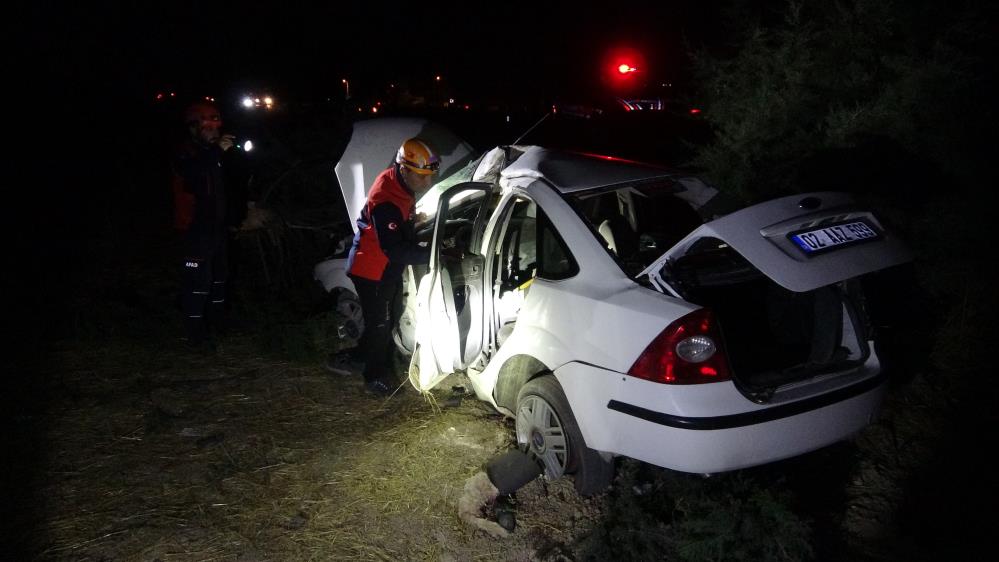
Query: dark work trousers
{"x": 381, "y": 305}
{"x": 203, "y": 281}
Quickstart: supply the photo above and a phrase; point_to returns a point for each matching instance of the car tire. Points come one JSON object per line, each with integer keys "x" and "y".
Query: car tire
{"x": 547, "y": 428}
{"x": 351, "y": 322}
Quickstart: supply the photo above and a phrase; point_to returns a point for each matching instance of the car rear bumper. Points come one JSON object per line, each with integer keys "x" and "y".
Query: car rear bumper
{"x": 638, "y": 423}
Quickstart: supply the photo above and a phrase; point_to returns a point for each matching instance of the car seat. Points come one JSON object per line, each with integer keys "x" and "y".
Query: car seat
{"x": 620, "y": 238}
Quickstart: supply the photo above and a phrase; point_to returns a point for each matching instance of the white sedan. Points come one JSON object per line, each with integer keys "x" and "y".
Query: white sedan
{"x": 605, "y": 306}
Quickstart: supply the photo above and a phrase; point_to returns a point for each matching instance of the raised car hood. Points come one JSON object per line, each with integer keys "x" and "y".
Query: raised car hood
{"x": 372, "y": 148}
{"x": 761, "y": 235}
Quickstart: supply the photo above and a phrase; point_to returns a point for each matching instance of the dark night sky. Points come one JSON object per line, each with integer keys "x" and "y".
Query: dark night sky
{"x": 91, "y": 71}
{"x": 137, "y": 50}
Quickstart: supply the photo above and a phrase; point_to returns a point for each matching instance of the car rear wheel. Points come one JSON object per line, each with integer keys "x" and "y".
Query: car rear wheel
{"x": 548, "y": 430}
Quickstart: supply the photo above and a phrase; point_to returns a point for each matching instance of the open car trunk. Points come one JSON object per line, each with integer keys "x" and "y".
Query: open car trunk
{"x": 774, "y": 336}
{"x": 784, "y": 280}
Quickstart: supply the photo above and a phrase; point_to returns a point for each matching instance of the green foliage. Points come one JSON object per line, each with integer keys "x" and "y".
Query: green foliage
{"x": 894, "y": 101}
{"x": 831, "y": 75}
{"x": 758, "y": 103}
{"x": 657, "y": 514}
{"x": 736, "y": 519}
{"x": 887, "y": 99}
{"x": 635, "y": 526}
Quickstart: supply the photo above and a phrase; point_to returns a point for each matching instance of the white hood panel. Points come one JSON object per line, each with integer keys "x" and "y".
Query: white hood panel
{"x": 372, "y": 147}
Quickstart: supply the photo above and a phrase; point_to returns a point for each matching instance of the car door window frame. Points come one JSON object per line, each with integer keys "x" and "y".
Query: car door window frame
{"x": 440, "y": 221}
{"x": 542, "y": 223}
{"x": 471, "y": 258}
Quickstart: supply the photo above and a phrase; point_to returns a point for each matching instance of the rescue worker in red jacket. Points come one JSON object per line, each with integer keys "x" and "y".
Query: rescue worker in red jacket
{"x": 200, "y": 218}
{"x": 384, "y": 245}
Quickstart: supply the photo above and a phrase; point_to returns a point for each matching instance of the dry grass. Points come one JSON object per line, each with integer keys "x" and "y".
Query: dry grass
{"x": 153, "y": 453}
{"x": 159, "y": 454}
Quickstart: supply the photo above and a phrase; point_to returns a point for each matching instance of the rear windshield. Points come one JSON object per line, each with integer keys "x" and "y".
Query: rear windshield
{"x": 637, "y": 223}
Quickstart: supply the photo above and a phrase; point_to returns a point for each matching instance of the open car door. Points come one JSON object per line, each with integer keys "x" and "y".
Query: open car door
{"x": 449, "y": 329}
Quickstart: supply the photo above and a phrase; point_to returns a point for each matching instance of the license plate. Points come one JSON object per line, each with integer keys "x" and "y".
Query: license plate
{"x": 832, "y": 237}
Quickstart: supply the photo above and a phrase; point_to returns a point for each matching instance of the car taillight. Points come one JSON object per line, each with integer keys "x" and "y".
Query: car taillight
{"x": 688, "y": 351}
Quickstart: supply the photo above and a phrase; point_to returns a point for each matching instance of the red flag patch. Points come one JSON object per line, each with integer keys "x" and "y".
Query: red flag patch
{"x": 392, "y": 226}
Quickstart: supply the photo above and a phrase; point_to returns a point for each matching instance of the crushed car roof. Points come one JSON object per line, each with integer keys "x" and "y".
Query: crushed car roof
{"x": 569, "y": 172}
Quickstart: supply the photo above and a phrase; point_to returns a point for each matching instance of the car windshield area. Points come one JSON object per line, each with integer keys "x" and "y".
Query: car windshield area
{"x": 637, "y": 223}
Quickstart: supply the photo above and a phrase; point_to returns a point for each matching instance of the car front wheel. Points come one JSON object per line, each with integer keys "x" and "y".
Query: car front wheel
{"x": 547, "y": 428}
{"x": 351, "y": 320}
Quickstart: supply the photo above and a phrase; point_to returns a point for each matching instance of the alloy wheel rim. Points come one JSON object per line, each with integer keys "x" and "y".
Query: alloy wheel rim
{"x": 539, "y": 427}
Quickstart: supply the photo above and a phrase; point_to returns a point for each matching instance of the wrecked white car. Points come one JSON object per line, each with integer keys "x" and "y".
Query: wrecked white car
{"x": 601, "y": 304}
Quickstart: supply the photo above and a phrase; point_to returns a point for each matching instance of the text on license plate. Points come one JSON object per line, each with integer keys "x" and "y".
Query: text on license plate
{"x": 830, "y": 237}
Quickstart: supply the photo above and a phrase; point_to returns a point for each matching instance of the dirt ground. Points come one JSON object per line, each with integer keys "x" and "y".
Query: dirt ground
{"x": 168, "y": 455}
{"x": 157, "y": 453}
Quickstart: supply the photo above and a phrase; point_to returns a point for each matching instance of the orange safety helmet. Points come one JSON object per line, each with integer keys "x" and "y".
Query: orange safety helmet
{"x": 418, "y": 157}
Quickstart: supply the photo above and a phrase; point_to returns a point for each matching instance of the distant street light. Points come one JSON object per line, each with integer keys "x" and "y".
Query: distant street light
{"x": 346, "y": 84}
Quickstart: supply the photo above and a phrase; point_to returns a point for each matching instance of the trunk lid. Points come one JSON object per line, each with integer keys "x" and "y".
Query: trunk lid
{"x": 801, "y": 242}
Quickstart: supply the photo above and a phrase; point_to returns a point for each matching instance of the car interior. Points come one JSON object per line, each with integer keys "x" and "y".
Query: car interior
{"x": 516, "y": 265}
{"x": 637, "y": 224}
{"x": 460, "y": 267}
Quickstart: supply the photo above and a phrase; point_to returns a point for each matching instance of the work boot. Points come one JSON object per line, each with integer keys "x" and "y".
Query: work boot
{"x": 344, "y": 364}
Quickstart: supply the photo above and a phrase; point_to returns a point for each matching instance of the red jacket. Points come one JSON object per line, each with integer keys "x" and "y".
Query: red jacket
{"x": 199, "y": 191}
{"x": 385, "y": 241}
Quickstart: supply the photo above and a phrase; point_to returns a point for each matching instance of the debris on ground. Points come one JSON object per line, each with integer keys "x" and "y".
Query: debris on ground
{"x": 504, "y": 475}
{"x": 512, "y": 471}
{"x": 479, "y": 492}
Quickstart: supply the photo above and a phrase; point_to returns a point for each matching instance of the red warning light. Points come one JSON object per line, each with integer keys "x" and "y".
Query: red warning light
{"x": 623, "y": 68}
